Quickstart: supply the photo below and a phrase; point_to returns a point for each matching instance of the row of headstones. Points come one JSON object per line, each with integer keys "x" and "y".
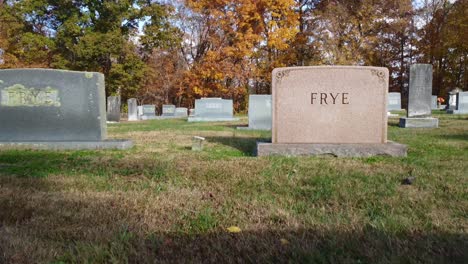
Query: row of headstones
{"x": 339, "y": 110}
{"x": 142, "y": 112}
{"x": 458, "y": 102}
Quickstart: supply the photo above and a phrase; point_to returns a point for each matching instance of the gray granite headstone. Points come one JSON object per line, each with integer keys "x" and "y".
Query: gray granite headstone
{"x": 434, "y": 102}
{"x": 113, "y": 108}
{"x": 420, "y": 90}
{"x": 148, "y": 112}
{"x": 140, "y": 111}
{"x": 213, "y": 109}
{"x": 259, "y": 112}
{"x": 420, "y": 98}
{"x": 462, "y": 103}
{"x": 181, "y": 112}
{"x": 168, "y": 110}
{"x": 53, "y": 109}
{"x": 394, "y": 102}
{"x": 132, "y": 109}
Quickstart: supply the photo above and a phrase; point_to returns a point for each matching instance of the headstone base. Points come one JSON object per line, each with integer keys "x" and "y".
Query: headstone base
{"x": 424, "y": 122}
{"x": 69, "y": 145}
{"x": 144, "y": 117}
{"x": 391, "y": 149}
{"x": 456, "y": 112}
{"x": 212, "y": 119}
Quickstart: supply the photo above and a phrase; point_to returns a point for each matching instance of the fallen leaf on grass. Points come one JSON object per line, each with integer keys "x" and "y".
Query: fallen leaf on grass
{"x": 234, "y": 229}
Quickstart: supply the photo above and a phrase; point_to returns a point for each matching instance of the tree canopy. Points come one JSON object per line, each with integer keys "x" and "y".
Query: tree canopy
{"x": 177, "y": 51}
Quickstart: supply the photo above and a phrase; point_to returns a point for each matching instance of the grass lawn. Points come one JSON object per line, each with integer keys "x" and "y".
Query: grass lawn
{"x": 161, "y": 202}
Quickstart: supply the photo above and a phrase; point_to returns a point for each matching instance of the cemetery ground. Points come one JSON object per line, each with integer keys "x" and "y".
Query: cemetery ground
{"x": 161, "y": 202}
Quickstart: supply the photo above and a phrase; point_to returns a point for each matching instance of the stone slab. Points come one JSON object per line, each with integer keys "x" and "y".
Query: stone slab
{"x": 52, "y": 105}
{"x": 391, "y": 149}
{"x": 260, "y": 112}
{"x": 462, "y": 103}
{"x": 181, "y": 112}
{"x": 132, "y": 109}
{"x": 213, "y": 110}
{"x": 424, "y": 122}
{"x": 394, "y": 102}
{"x": 168, "y": 110}
{"x": 330, "y": 104}
{"x": 434, "y": 102}
{"x": 68, "y": 145}
{"x": 113, "y": 108}
{"x": 420, "y": 91}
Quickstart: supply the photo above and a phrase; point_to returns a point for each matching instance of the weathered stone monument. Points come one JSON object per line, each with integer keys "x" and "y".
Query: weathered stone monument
{"x": 462, "y": 103}
{"x": 213, "y": 110}
{"x": 181, "y": 112}
{"x": 132, "y": 109}
{"x": 148, "y": 112}
{"x": 54, "y": 109}
{"x": 452, "y": 100}
{"x": 394, "y": 102}
{"x": 434, "y": 105}
{"x": 419, "y": 98}
{"x": 113, "y": 109}
{"x": 339, "y": 111}
{"x": 168, "y": 110}
{"x": 259, "y": 112}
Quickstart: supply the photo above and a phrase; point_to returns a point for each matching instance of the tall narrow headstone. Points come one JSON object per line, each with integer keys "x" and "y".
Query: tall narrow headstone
{"x": 132, "y": 109}
{"x": 53, "y": 109}
{"x": 434, "y": 102}
{"x": 452, "y": 100}
{"x": 394, "y": 102}
{"x": 113, "y": 108}
{"x": 168, "y": 110}
{"x": 339, "y": 111}
{"x": 419, "y": 98}
{"x": 259, "y": 112}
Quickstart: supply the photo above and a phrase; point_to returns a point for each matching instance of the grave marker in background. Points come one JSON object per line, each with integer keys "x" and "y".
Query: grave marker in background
{"x": 259, "y": 112}
{"x": 212, "y": 110}
{"x": 132, "y": 109}
{"x": 113, "y": 109}
{"x": 394, "y": 102}
{"x": 148, "y": 112}
{"x": 419, "y": 98}
{"x": 168, "y": 110}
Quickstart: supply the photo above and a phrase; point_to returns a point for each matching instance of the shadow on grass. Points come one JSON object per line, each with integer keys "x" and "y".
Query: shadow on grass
{"x": 40, "y": 164}
{"x": 247, "y": 145}
{"x": 453, "y": 137}
{"x": 105, "y": 229}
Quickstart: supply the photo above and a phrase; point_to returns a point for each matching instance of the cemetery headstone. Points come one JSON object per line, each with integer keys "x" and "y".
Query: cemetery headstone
{"x": 434, "y": 105}
{"x": 197, "y": 143}
{"x": 212, "y": 110}
{"x": 148, "y": 112}
{"x": 54, "y": 109}
{"x": 181, "y": 112}
{"x": 113, "y": 109}
{"x": 462, "y": 103}
{"x": 452, "y": 100}
{"x": 394, "y": 102}
{"x": 259, "y": 112}
{"x": 419, "y": 99}
{"x": 132, "y": 109}
{"x": 339, "y": 111}
{"x": 168, "y": 110}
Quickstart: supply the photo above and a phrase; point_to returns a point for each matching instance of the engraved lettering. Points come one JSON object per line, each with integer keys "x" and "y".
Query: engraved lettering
{"x": 345, "y": 99}
{"x": 334, "y": 98}
{"x": 323, "y": 97}
{"x": 19, "y": 95}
